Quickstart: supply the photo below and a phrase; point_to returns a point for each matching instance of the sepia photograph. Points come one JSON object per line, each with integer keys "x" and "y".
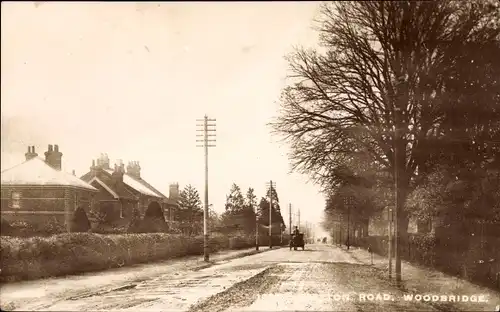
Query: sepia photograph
{"x": 250, "y": 156}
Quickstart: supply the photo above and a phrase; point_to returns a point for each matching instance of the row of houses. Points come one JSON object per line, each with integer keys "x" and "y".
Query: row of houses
{"x": 37, "y": 190}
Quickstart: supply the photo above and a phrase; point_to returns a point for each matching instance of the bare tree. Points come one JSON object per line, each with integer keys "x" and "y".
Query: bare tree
{"x": 376, "y": 59}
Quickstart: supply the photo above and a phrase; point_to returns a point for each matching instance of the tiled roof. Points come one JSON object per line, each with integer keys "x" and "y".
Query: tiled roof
{"x": 35, "y": 172}
{"x": 137, "y": 185}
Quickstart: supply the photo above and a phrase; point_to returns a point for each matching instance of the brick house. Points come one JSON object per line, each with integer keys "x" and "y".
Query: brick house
{"x": 37, "y": 191}
{"x": 121, "y": 191}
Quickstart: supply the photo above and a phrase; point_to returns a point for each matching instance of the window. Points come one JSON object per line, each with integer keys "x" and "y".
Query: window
{"x": 16, "y": 200}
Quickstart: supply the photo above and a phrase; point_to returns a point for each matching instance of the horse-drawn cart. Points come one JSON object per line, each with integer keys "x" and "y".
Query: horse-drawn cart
{"x": 296, "y": 241}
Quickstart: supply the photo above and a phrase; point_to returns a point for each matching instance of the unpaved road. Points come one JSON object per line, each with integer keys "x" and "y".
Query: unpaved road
{"x": 320, "y": 278}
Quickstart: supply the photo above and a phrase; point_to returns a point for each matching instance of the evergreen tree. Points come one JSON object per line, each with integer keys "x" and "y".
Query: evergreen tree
{"x": 190, "y": 210}
{"x": 239, "y": 216}
{"x": 235, "y": 201}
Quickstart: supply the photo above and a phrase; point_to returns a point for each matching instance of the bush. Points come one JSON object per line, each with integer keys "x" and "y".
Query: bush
{"x": 240, "y": 242}
{"x": 6, "y": 229}
{"x": 80, "y": 222}
{"x": 135, "y": 222}
{"x": 30, "y": 229}
{"x": 153, "y": 225}
{"x": 71, "y": 253}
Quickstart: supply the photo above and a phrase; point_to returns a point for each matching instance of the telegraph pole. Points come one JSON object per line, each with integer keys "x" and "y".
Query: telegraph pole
{"x": 398, "y": 206}
{"x": 389, "y": 218}
{"x": 298, "y": 225}
{"x": 271, "y": 187}
{"x": 256, "y": 229}
{"x": 290, "y": 218}
{"x": 341, "y": 228}
{"x": 397, "y": 164}
{"x": 206, "y": 143}
{"x": 348, "y": 201}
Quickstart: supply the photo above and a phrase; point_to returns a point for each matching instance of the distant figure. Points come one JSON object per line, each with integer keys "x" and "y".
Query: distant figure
{"x": 296, "y": 231}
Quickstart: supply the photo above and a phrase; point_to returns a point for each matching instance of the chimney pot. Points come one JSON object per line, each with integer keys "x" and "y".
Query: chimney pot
{"x": 74, "y": 173}
{"x": 53, "y": 158}
{"x": 31, "y": 153}
{"x": 93, "y": 163}
{"x": 56, "y": 148}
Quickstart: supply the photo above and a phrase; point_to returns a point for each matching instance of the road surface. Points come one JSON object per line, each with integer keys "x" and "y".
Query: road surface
{"x": 320, "y": 278}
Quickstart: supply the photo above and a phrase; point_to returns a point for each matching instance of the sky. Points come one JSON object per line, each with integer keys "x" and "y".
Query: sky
{"x": 130, "y": 80}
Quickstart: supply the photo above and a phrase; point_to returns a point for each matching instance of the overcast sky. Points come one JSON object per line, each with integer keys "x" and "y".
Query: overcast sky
{"x": 130, "y": 80}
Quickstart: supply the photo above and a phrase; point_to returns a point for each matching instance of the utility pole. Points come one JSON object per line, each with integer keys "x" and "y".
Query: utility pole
{"x": 348, "y": 201}
{"x": 256, "y": 229}
{"x": 271, "y": 187}
{"x": 290, "y": 218}
{"x": 298, "y": 225}
{"x": 397, "y": 179}
{"x": 389, "y": 218}
{"x": 398, "y": 200}
{"x": 206, "y": 143}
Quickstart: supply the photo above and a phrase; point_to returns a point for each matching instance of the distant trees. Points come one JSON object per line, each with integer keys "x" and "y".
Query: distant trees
{"x": 243, "y": 211}
{"x": 239, "y": 215}
{"x": 263, "y": 209}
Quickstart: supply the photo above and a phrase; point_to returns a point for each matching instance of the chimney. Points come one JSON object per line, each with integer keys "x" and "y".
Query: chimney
{"x": 134, "y": 169}
{"x": 93, "y": 168}
{"x": 31, "y": 153}
{"x": 103, "y": 161}
{"x": 118, "y": 173}
{"x": 74, "y": 173}
{"x": 53, "y": 157}
{"x": 173, "y": 191}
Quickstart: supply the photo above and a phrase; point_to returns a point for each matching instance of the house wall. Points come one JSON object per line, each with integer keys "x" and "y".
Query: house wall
{"x": 116, "y": 209}
{"x": 39, "y": 204}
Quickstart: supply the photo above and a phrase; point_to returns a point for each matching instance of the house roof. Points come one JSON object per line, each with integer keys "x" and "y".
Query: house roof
{"x": 152, "y": 188}
{"x": 140, "y": 186}
{"x": 104, "y": 186}
{"x": 35, "y": 172}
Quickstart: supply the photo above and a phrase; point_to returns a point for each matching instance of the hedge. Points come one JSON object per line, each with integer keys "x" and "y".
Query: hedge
{"x": 73, "y": 253}
{"x": 460, "y": 257}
